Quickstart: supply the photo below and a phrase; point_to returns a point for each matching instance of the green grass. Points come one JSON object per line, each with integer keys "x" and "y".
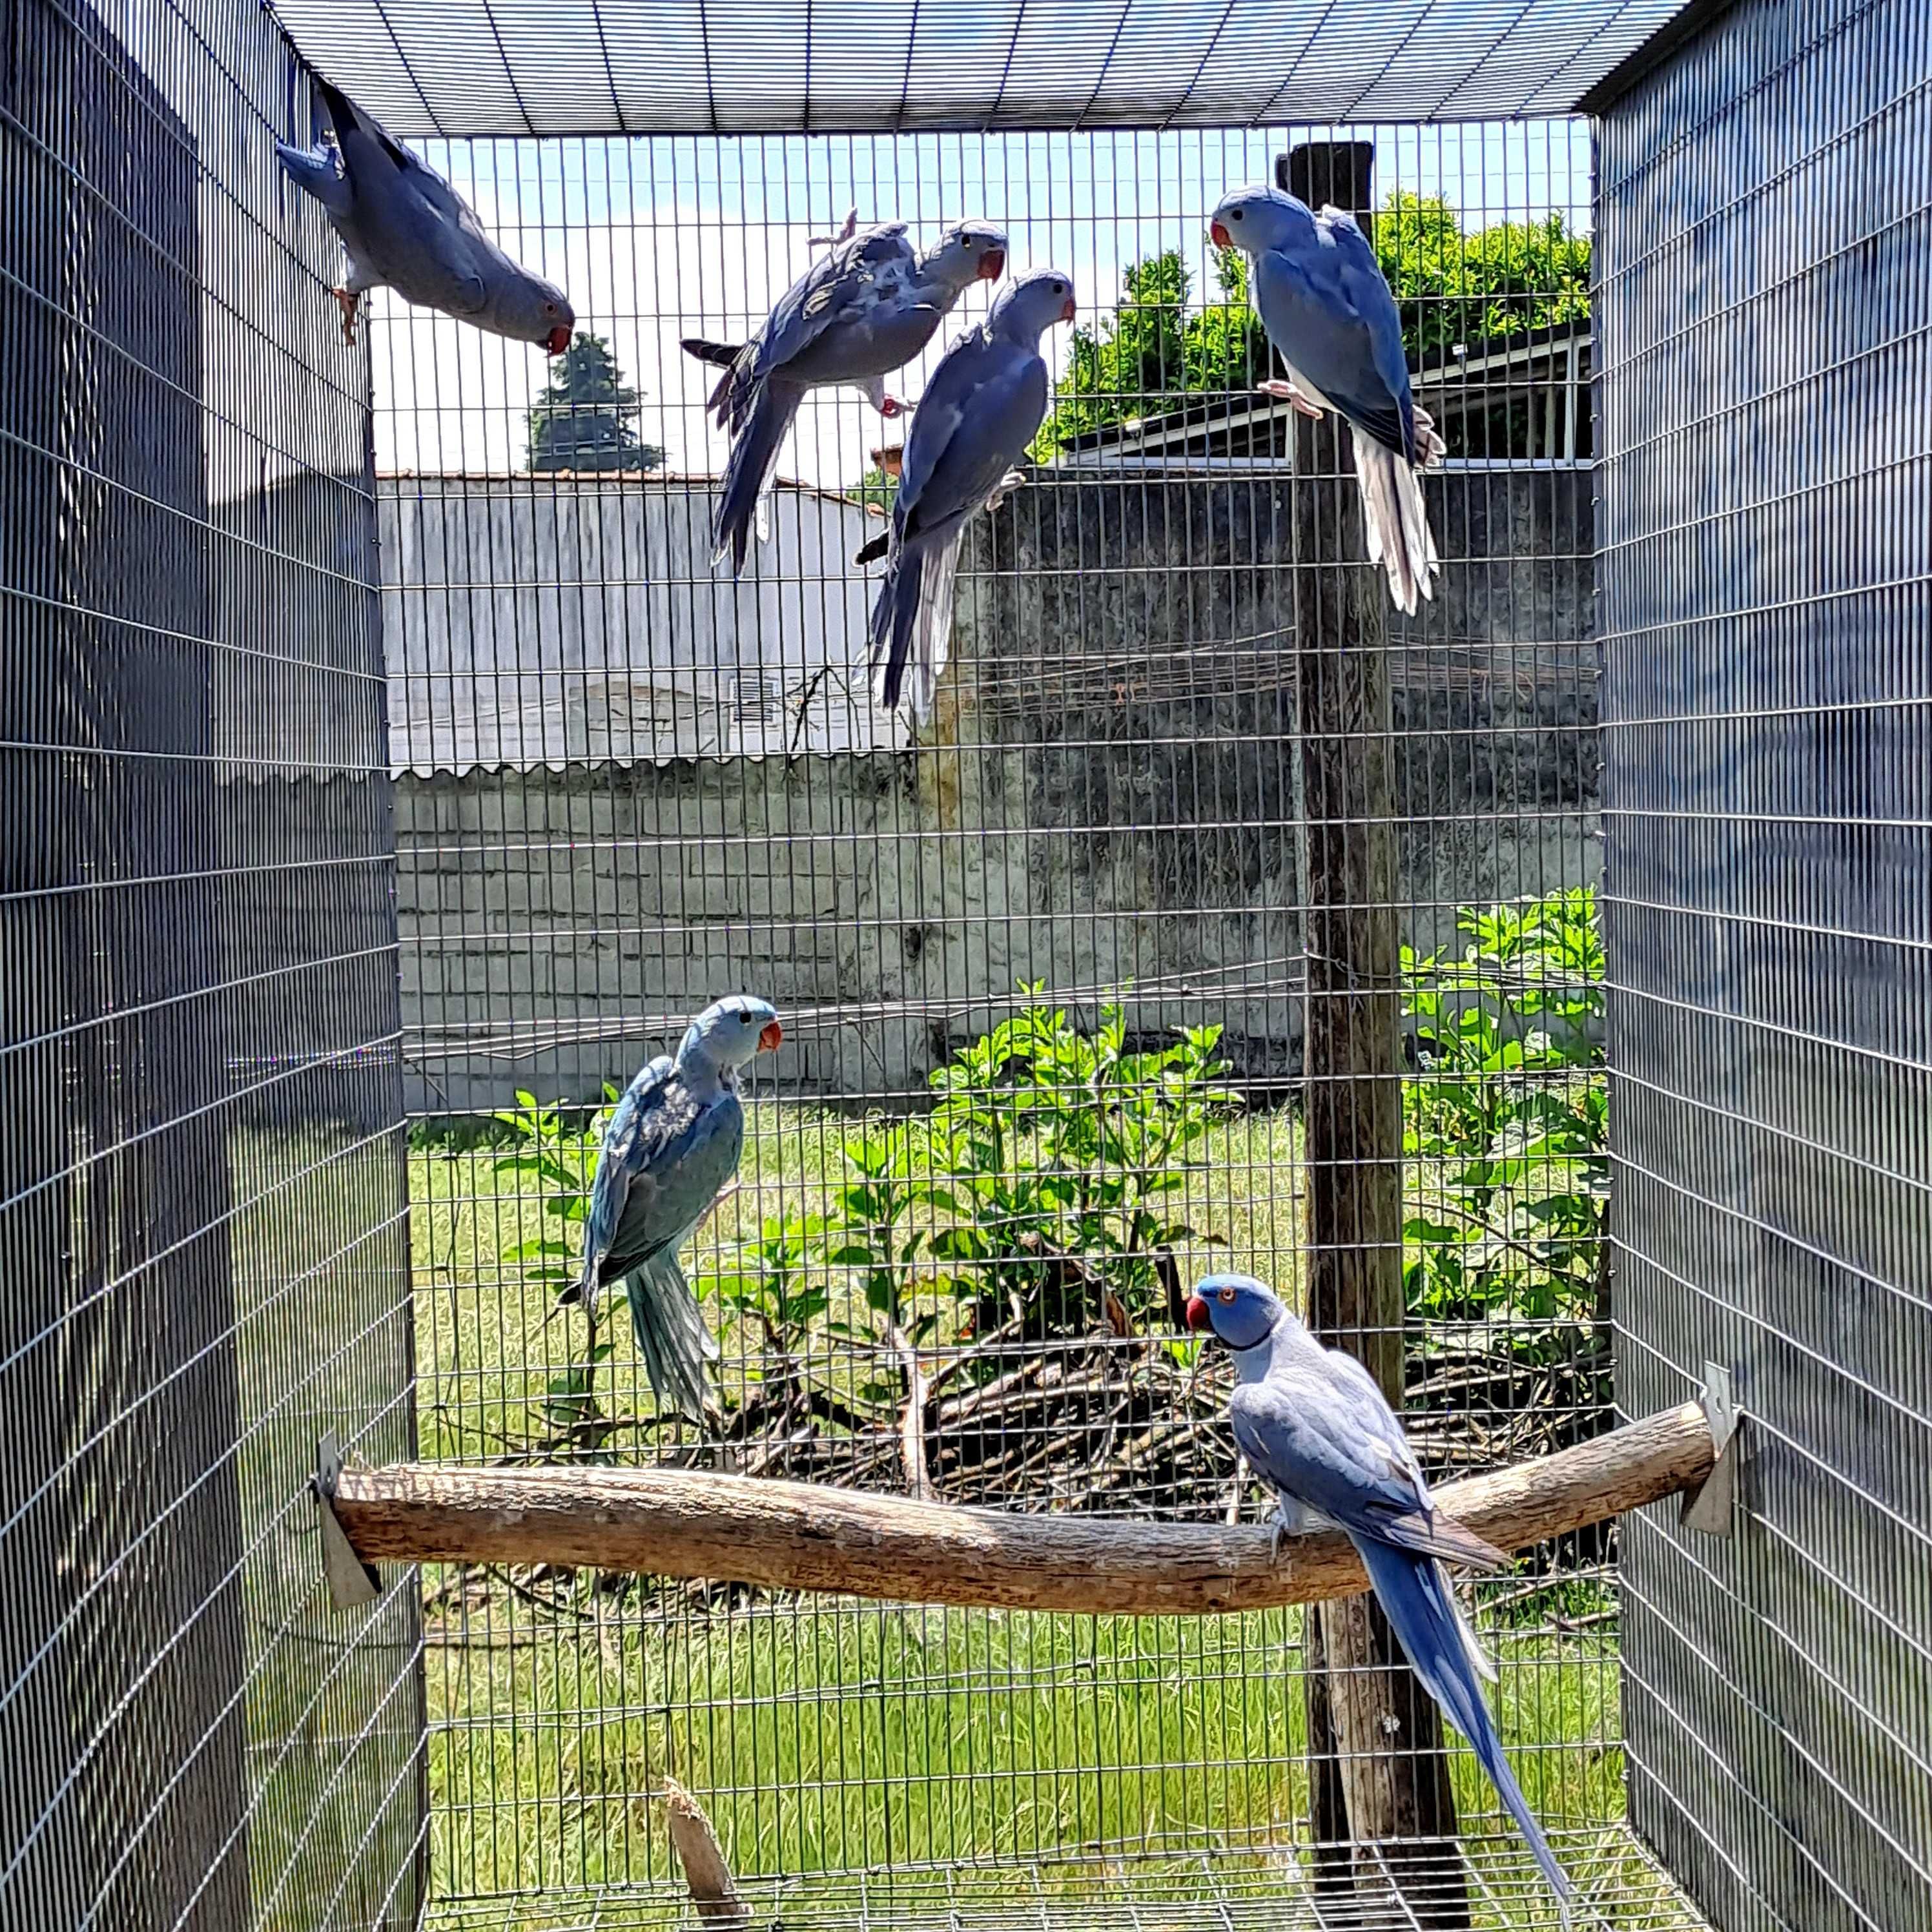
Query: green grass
{"x": 831, "y": 1737}
{"x": 488, "y": 1342}
{"x": 828, "y": 1736}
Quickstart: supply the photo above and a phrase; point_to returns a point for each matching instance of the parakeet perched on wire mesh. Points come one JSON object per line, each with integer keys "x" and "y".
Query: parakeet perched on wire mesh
{"x": 861, "y": 311}
{"x": 983, "y": 407}
{"x": 1328, "y": 310}
{"x": 403, "y": 227}
{"x": 1314, "y": 1426}
{"x": 673, "y": 1143}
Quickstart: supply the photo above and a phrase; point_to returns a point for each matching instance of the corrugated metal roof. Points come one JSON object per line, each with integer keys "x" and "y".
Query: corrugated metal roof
{"x": 725, "y": 66}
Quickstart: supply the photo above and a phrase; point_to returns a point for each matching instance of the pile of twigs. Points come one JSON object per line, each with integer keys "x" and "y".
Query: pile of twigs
{"x": 1095, "y": 1423}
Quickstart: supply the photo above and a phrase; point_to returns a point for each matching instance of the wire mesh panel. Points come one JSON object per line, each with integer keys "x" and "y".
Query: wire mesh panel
{"x": 203, "y": 1214}
{"x": 1766, "y": 209}
{"x": 1042, "y": 964}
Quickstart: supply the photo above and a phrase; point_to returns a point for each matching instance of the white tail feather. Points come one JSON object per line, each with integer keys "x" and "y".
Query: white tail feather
{"x": 1397, "y": 524}
{"x": 931, "y": 634}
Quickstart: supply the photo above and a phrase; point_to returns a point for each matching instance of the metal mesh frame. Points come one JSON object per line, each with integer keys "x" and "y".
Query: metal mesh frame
{"x": 472, "y": 68}
{"x": 1767, "y": 734}
{"x": 203, "y": 1226}
{"x": 1114, "y": 775}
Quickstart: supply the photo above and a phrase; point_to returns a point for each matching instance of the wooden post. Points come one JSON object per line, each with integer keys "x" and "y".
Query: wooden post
{"x": 1377, "y": 1773}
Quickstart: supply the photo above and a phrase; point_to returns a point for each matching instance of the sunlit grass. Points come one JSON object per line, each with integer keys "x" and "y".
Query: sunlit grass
{"x": 490, "y": 1340}
{"x": 831, "y": 1737}
{"x": 826, "y": 1737}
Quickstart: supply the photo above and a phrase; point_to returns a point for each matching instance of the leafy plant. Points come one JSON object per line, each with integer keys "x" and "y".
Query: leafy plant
{"x": 1044, "y": 1191}
{"x": 1508, "y": 1118}
{"x": 1067, "y": 1152}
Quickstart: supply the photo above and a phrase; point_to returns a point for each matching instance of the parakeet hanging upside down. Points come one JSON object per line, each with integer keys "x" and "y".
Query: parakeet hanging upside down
{"x": 403, "y": 227}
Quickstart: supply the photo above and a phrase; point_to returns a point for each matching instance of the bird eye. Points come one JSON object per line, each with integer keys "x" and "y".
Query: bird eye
{"x": 1225, "y": 1294}
{"x": 1235, "y": 212}
{"x": 1060, "y": 288}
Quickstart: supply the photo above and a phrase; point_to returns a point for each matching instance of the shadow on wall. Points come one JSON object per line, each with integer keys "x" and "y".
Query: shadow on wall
{"x": 1107, "y": 795}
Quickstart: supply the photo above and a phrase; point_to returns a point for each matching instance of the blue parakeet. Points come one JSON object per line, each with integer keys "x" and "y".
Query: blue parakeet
{"x": 672, "y": 1144}
{"x": 403, "y": 226}
{"x": 1328, "y": 309}
{"x": 1314, "y": 1426}
{"x": 983, "y": 407}
{"x": 856, "y": 314}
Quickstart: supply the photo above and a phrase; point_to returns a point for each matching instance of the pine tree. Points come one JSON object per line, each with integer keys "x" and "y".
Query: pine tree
{"x": 580, "y": 421}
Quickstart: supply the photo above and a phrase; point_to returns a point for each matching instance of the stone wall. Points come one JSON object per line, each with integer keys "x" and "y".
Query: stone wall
{"x": 1106, "y": 798}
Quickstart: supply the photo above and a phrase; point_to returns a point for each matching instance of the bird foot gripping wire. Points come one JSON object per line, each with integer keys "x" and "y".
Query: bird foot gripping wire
{"x": 1013, "y": 480}
{"x": 347, "y": 304}
{"x": 1286, "y": 392}
{"x": 1429, "y": 447}
{"x": 844, "y": 234}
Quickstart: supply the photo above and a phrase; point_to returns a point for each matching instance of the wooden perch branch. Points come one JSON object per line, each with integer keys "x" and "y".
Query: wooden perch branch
{"x": 798, "y": 1536}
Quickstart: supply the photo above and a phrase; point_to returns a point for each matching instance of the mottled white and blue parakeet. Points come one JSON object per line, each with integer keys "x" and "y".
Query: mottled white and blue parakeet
{"x": 403, "y": 227}
{"x": 672, "y": 1144}
{"x": 856, "y": 314}
{"x": 983, "y": 407}
{"x": 1328, "y": 310}
{"x": 1314, "y": 1426}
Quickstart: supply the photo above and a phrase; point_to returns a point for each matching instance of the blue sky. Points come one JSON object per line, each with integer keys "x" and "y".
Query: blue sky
{"x": 655, "y": 239}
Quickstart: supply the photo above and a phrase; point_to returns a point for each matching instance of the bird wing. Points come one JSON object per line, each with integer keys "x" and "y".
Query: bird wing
{"x": 1370, "y": 295}
{"x": 1307, "y": 296}
{"x": 670, "y": 1157}
{"x": 875, "y": 266}
{"x": 981, "y": 409}
{"x": 1325, "y": 1437}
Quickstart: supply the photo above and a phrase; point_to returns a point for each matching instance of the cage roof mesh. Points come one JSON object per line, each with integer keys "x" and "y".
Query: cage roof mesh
{"x": 460, "y": 68}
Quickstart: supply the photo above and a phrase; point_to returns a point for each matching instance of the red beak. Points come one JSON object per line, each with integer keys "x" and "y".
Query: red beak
{"x": 769, "y": 1039}
{"x": 1068, "y": 312}
{"x": 992, "y": 264}
{"x": 1198, "y": 1316}
{"x": 1218, "y": 235}
{"x": 557, "y": 340}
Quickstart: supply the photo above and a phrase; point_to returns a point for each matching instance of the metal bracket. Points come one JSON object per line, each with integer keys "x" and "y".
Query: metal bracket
{"x": 352, "y": 1583}
{"x": 1708, "y": 1508}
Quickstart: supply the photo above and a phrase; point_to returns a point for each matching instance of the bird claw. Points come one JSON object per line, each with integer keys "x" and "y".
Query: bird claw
{"x": 347, "y": 304}
{"x": 1006, "y": 485}
{"x": 1286, "y": 392}
{"x": 890, "y": 406}
{"x": 1277, "y": 1536}
{"x": 844, "y": 234}
{"x": 1430, "y": 448}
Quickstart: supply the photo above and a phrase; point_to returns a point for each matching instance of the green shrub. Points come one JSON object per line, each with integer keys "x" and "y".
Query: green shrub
{"x": 1506, "y": 1120}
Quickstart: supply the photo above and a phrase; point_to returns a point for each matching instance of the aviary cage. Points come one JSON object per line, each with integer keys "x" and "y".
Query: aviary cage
{"x": 385, "y": 778}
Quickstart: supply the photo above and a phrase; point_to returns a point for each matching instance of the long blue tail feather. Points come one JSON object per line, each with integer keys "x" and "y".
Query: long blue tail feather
{"x": 1414, "y": 1594}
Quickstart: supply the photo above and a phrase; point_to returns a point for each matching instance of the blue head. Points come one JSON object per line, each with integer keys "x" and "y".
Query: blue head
{"x": 1253, "y": 219}
{"x": 1240, "y": 1309}
{"x": 976, "y": 251}
{"x": 731, "y": 1031}
{"x": 1027, "y": 308}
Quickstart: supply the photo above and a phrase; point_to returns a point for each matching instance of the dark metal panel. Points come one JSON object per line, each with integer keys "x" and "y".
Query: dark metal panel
{"x": 201, "y": 1202}
{"x": 1765, "y": 215}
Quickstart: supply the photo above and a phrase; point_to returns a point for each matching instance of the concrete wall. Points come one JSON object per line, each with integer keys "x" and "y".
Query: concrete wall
{"x": 1106, "y": 796}
{"x": 550, "y": 620}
